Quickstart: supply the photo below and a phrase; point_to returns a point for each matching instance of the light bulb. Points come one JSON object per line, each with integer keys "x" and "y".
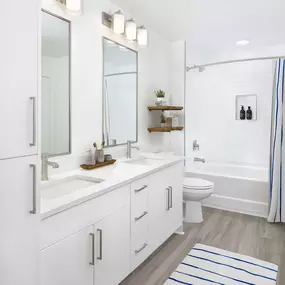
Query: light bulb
{"x": 118, "y": 23}
{"x": 74, "y": 5}
{"x": 142, "y": 36}
{"x": 131, "y": 30}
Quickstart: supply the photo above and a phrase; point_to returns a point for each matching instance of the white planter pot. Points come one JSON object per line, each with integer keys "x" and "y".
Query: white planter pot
{"x": 160, "y": 101}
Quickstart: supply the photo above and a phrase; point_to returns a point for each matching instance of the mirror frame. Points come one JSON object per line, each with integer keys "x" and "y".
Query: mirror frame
{"x": 69, "y": 85}
{"x": 137, "y": 89}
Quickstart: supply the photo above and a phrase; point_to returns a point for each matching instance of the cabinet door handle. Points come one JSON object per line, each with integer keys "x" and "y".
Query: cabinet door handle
{"x": 171, "y": 197}
{"x": 141, "y": 216}
{"x": 141, "y": 249}
{"x": 141, "y": 189}
{"x": 168, "y": 202}
{"x": 92, "y": 249}
{"x": 33, "y": 143}
{"x": 100, "y": 232}
{"x": 34, "y": 210}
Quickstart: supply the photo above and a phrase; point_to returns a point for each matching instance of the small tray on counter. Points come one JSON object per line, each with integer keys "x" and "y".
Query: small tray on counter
{"x": 97, "y": 165}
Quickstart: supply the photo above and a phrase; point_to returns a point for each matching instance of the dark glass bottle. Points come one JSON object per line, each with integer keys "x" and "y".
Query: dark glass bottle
{"x": 249, "y": 113}
{"x": 242, "y": 113}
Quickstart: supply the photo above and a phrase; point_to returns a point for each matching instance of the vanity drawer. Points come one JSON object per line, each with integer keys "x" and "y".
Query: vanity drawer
{"x": 73, "y": 220}
{"x": 140, "y": 249}
{"x": 139, "y": 219}
{"x": 139, "y": 204}
{"x": 139, "y": 192}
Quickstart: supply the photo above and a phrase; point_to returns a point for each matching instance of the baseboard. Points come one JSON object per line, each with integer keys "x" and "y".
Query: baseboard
{"x": 242, "y": 206}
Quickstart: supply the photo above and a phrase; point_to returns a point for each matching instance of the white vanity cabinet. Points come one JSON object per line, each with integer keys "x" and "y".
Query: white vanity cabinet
{"x": 121, "y": 229}
{"x": 112, "y": 248}
{"x": 19, "y": 24}
{"x": 69, "y": 261}
{"x": 100, "y": 254}
{"x": 19, "y": 222}
{"x": 156, "y": 203}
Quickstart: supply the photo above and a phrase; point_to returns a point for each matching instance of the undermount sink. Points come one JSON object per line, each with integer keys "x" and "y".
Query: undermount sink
{"x": 145, "y": 161}
{"x": 55, "y": 189}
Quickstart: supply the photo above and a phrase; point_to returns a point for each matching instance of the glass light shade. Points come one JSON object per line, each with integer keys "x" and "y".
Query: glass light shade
{"x": 142, "y": 36}
{"x": 74, "y": 5}
{"x": 118, "y": 23}
{"x": 131, "y": 30}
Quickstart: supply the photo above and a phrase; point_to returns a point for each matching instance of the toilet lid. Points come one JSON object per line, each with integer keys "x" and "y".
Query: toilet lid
{"x": 197, "y": 183}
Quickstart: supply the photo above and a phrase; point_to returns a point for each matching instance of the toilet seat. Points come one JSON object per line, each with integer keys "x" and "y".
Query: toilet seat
{"x": 197, "y": 184}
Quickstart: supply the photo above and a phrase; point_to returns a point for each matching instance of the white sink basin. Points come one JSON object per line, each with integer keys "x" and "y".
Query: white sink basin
{"x": 145, "y": 161}
{"x": 55, "y": 189}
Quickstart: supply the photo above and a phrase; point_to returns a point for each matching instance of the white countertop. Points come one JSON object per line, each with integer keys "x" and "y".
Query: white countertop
{"x": 114, "y": 176}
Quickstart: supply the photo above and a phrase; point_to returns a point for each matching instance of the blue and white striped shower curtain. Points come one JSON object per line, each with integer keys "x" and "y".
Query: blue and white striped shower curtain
{"x": 277, "y": 151}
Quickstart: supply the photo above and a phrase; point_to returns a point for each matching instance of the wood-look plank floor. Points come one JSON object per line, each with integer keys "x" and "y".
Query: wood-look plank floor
{"x": 235, "y": 232}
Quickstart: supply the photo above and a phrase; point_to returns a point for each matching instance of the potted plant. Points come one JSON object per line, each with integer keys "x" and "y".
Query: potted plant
{"x": 160, "y": 94}
{"x": 162, "y": 120}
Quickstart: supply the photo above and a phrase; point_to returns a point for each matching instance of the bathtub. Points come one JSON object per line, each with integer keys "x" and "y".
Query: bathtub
{"x": 238, "y": 188}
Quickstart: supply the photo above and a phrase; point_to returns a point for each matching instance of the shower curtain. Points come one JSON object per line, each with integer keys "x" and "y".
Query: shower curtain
{"x": 277, "y": 151}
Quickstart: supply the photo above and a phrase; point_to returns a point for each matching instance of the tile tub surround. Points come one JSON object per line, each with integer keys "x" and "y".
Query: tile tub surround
{"x": 114, "y": 176}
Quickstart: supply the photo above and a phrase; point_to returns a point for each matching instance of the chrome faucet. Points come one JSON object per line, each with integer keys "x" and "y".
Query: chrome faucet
{"x": 198, "y": 159}
{"x": 45, "y": 164}
{"x": 129, "y": 149}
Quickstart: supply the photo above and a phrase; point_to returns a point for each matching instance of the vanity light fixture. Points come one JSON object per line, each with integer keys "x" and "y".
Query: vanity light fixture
{"x": 118, "y": 22}
{"x": 131, "y": 30}
{"x": 74, "y": 7}
{"x": 142, "y": 36}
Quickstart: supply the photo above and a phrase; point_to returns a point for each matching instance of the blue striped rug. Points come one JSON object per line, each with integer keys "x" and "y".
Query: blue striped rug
{"x": 209, "y": 265}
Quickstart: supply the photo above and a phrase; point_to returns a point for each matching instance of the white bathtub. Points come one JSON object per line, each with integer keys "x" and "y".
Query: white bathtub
{"x": 238, "y": 188}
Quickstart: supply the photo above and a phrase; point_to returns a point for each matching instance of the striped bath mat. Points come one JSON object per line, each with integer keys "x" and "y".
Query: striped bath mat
{"x": 209, "y": 265}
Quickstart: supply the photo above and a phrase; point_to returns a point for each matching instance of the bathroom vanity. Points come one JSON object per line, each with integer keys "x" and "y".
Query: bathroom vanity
{"x": 101, "y": 233}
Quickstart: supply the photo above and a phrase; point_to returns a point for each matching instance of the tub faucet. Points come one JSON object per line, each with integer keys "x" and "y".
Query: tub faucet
{"x": 45, "y": 164}
{"x": 198, "y": 159}
{"x": 196, "y": 146}
{"x": 129, "y": 149}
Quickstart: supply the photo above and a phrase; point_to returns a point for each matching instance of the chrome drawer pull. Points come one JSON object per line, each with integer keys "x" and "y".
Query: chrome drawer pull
{"x": 141, "y": 189}
{"x": 100, "y": 257}
{"x": 33, "y": 143}
{"x": 34, "y": 210}
{"x": 171, "y": 197}
{"x": 92, "y": 248}
{"x": 140, "y": 217}
{"x": 141, "y": 249}
{"x": 168, "y": 199}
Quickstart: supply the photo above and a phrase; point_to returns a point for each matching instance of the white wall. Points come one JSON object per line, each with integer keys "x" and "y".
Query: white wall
{"x": 87, "y": 62}
{"x": 210, "y": 116}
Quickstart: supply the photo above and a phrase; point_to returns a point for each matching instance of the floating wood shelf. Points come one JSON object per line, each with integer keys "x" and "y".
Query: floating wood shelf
{"x": 165, "y": 130}
{"x": 164, "y": 108}
{"x": 97, "y": 165}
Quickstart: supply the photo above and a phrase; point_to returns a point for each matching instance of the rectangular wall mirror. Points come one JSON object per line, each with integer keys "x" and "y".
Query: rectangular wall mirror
{"x": 120, "y": 94}
{"x": 56, "y": 125}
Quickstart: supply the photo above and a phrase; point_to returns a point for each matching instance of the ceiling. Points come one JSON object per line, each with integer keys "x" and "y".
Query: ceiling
{"x": 215, "y": 25}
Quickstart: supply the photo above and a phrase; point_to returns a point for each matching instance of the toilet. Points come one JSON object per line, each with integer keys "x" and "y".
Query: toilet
{"x": 195, "y": 190}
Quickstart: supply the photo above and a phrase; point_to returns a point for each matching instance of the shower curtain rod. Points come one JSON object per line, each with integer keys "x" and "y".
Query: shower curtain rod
{"x": 203, "y": 66}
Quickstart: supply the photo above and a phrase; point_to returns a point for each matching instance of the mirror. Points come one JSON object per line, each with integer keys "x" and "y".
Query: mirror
{"x": 119, "y": 94}
{"x": 55, "y": 85}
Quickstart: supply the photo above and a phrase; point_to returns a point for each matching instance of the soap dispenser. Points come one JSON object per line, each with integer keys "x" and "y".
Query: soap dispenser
{"x": 249, "y": 113}
{"x": 242, "y": 113}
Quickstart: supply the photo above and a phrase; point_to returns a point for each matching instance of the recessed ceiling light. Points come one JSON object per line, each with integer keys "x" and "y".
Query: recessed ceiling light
{"x": 242, "y": 43}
